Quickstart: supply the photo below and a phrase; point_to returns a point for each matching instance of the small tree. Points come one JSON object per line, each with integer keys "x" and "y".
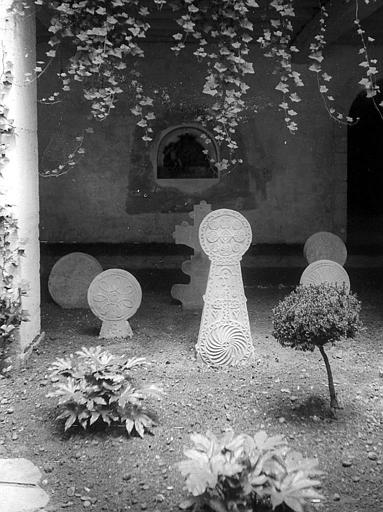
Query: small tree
{"x": 312, "y": 316}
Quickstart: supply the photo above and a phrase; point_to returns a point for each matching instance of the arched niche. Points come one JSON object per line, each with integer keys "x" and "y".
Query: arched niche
{"x": 365, "y": 171}
{"x": 185, "y": 157}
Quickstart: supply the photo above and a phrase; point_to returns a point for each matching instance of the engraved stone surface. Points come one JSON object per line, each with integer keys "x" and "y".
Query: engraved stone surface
{"x": 325, "y": 246}
{"x": 197, "y": 267}
{"x": 325, "y": 271}
{"x": 224, "y": 338}
{"x": 70, "y": 278}
{"x": 114, "y": 296}
{"x": 19, "y": 489}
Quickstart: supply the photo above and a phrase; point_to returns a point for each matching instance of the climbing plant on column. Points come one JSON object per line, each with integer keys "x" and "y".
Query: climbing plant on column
{"x": 11, "y": 312}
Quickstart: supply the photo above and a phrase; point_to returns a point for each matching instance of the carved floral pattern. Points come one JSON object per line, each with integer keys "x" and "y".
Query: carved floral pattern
{"x": 114, "y": 295}
{"x": 225, "y": 235}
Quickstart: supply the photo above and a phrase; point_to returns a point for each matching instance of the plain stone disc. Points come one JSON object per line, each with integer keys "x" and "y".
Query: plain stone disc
{"x": 325, "y": 246}
{"x": 114, "y": 294}
{"x": 325, "y": 271}
{"x": 70, "y": 278}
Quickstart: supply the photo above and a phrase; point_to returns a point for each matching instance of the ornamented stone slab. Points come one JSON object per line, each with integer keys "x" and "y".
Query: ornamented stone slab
{"x": 325, "y": 246}
{"x": 198, "y": 266}
{"x": 224, "y": 338}
{"x": 325, "y": 271}
{"x": 114, "y": 296}
{"x": 70, "y": 278}
{"x": 225, "y": 235}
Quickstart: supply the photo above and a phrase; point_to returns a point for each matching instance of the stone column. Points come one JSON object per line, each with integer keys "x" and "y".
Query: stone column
{"x": 20, "y": 175}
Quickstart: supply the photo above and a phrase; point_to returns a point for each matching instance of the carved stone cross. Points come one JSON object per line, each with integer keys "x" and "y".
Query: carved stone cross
{"x": 197, "y": 267}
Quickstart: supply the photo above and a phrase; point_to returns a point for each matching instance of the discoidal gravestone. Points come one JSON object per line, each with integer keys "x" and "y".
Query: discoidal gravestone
{"x": 325, "y": 271}
{"x": 70, "y": 278}
{"x": 114, "y": 296}
{"x": 325, "y": 246}
{"x": 224, "y": 337}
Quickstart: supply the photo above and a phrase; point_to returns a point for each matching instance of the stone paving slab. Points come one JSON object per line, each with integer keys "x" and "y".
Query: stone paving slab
{"x": 19, "y": 489}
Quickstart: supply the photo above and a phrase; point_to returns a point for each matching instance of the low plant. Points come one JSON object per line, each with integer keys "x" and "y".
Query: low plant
{"x": 312, "y": 316}
{"x": 240, "y": 473}
{"x": 11, "y": 316}
{"x": 98, "y": 387}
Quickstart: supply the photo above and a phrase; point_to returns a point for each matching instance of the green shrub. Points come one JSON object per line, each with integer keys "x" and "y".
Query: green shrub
{"x": 97, "y": 386}
{"x": 11, "y": 316}
{"x": 314, "y": 315}
{"x": 244, "y": 473}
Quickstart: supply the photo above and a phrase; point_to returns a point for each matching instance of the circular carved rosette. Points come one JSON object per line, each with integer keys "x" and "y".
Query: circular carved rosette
{"x": 325, "y": 271}
{"x": 114, "y": 294}
{"x": 70, "y": 278}
{"x": 225, "y": 344}
{"x": 225, "y": 235}
{"x": 325, "y": 246}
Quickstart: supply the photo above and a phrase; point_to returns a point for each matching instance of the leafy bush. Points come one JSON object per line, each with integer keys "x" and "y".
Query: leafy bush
{"x": 11, "y": 316}
{"x": 314, "y": 315}
{"x": 244, "y": 473}
{"x": 97, "y": 386}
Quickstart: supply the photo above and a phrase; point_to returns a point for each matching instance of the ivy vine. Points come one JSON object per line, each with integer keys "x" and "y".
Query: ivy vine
{"x": 11, "y": 312}
{"x": 107, "y": 39}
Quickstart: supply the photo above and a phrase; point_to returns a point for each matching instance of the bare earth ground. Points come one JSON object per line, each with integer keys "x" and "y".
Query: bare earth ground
{"x": 283, "y": 392}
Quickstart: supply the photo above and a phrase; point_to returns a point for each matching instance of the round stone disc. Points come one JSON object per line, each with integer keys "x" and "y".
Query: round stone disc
{"x": 225, "y": 235}
{"x": 114, "y": 294}
{"x": 70, "y": 278}
{"x": 325, "y": 271}
{"x": 325, "y": 246}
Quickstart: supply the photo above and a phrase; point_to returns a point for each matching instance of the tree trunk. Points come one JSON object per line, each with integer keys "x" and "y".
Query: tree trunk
{"x": 333, "y": 399}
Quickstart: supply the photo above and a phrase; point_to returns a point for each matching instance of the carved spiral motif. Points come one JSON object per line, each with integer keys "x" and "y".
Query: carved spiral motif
{"x": 114, "y": 295}
{"x": 225, "y": 344}
{"x": 325, "y": 271}
{"x": 225, "y": 235}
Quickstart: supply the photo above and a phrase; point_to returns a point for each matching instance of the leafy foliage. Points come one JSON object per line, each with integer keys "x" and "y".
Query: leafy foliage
{"x": 97, "y": 386}
{"x": 107, "y": 39}
{"x": 314, "y": 315}
{"x": 240, "y": 473}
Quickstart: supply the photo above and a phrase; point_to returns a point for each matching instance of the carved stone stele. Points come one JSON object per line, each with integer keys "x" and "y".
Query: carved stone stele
{"x": 224, "y": 338}
{"x": 325, "y": 246}
{"x": 197, "y": 267}
{"x": 114, "y": 296}
{"x": 70, "y": 278}
{"x": 325, "y": 271}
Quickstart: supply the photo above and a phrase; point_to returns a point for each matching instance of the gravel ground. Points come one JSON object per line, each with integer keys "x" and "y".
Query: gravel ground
{"x": 282, "y": 391}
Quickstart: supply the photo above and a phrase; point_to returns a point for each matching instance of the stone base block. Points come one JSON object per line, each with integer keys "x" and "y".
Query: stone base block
{"x": 115, "y": 329}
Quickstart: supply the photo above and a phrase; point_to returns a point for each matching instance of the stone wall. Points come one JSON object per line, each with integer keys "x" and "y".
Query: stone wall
{"x": 288, "y": 187}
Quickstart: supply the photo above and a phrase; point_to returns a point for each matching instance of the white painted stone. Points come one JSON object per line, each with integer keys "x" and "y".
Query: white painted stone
{"x": 198, "y": 266}
{"x": 19, "y": 490}
{"x": 114, "y": 296}
{"x": 325, "y": 271}
{"x": 224, "y": 338}
{"x": 70, "y": 278}
{"x": 20, "y": 184}
{"x": 325, "y": 246}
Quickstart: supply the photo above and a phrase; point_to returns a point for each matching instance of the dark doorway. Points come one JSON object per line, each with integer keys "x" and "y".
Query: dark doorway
{"x": 365, "y": 172}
